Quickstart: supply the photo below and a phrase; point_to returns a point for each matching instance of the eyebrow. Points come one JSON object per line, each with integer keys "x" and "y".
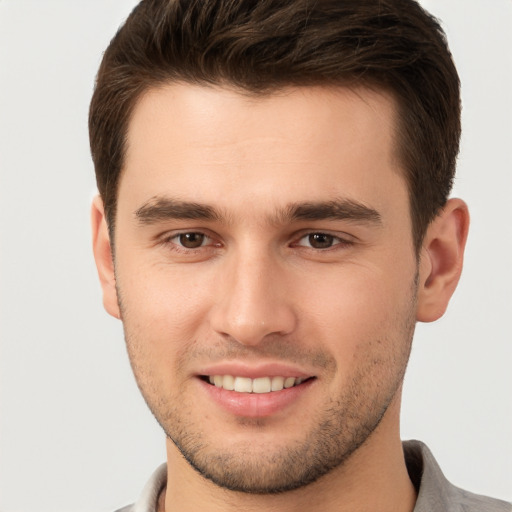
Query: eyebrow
{"x": 340, "y": 209}
{"x": 159, "y": 209}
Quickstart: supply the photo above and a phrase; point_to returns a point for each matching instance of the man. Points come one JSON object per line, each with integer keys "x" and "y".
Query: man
{"x": 273, "y": 220}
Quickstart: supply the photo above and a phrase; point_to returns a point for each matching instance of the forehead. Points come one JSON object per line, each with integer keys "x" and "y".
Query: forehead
{"x": 299, "y": 144}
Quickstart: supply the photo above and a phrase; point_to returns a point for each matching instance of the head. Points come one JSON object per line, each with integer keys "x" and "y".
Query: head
{"x": 275, "y": 178}
{"x": 262, "y": 47}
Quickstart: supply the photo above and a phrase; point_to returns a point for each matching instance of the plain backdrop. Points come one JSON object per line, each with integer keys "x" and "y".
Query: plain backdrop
{"x": 74, "y": 433}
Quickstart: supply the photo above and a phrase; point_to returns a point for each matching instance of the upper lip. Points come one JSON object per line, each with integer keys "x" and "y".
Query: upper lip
{"x": 254, "y": 371}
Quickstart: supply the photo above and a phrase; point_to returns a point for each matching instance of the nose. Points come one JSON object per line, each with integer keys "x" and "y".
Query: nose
{"x": 254, "y": 300}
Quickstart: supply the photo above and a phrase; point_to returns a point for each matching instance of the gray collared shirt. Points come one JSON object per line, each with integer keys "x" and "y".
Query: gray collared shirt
{"x": 435, "y": 493}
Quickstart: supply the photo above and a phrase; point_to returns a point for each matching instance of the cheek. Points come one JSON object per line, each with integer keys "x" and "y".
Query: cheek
{"x": 163, "y": 307}
{"x": 161, "y": 325}
{"x": 353, "y": 311}
{"x": 353, "y": 297}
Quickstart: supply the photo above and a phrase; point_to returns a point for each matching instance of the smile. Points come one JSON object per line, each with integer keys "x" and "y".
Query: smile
{"x": 258, "y": 385}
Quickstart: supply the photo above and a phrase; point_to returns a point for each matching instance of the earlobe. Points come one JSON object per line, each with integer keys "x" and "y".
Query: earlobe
{"x": 441, "y": 260}
{"x": 103, "y": 256}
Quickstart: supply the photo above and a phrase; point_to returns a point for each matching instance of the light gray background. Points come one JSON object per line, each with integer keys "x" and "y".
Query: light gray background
{"x": 74, "y": 433}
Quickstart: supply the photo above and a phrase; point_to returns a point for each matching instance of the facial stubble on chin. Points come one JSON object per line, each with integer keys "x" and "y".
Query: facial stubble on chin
{"x": 345, "y": 423}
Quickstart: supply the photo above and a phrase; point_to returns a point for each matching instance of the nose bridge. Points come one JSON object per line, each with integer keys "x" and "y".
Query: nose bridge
{"x": 254, "y": 301}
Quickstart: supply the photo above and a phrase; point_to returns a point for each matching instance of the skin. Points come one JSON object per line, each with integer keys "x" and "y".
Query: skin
{"x": 261, "y": 288}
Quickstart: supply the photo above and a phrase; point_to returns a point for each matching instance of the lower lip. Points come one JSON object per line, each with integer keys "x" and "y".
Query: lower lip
{"x": 255, "y": 405}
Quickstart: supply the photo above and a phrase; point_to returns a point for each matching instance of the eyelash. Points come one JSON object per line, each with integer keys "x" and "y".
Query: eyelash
{"x": 178, "y": 247}
{"x": 337, "y": 242}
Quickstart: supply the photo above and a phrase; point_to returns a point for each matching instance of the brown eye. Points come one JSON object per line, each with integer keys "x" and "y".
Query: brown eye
{"x": 320, "y": 240}
{"x": 191, "y": 240}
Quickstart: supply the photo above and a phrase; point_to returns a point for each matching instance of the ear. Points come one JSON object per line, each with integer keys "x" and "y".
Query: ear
{"x": 441, "y": 260}
{"x": 103, "y": 255}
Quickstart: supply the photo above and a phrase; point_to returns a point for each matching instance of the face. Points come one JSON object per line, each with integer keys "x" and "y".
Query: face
{"x": 266, "y": 277}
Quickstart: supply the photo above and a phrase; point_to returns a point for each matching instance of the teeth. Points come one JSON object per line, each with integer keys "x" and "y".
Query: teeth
{"x": 277, "y": 383}
{"x": 242, "y": 384}
{"x": 228, "y": 382}
{"x": 289, "y": 382}
{"x": 259, "y": 385}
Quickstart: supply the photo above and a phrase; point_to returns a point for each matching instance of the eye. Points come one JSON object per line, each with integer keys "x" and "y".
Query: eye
{"x": 189, "y": 246}
{"x": 190, "y": 240}
{"x": 321, "y": 240}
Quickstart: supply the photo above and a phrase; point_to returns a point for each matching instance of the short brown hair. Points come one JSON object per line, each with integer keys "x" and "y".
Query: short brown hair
{"x": 261, "y": 46}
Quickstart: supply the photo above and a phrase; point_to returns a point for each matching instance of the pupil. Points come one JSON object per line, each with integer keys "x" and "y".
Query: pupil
{"x": 321, "y": 240}
{"x": 191, "y": 240}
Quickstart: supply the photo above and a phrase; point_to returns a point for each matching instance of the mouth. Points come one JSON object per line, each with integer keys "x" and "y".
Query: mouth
{"x": 259, "y": 385}
{"x": 257, "y": 391}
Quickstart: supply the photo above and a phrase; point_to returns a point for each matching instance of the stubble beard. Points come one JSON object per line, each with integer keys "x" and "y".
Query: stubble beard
{"x": 343, "y": 426}
{"x": 326, "y": 447}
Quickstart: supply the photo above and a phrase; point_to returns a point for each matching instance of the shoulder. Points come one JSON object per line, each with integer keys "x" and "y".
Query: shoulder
{"x": 470, "y": 502}
{"x": 436, "y": 493}
{"x": 148, "y": 498}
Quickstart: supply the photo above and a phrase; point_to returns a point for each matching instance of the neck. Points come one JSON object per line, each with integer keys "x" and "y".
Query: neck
{"x": 373, "y": 478}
